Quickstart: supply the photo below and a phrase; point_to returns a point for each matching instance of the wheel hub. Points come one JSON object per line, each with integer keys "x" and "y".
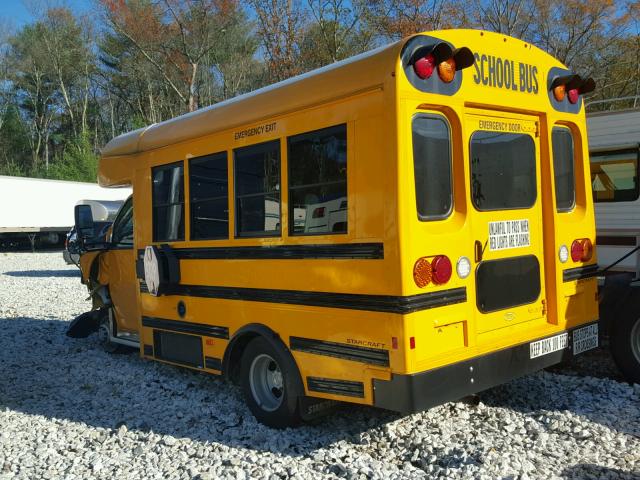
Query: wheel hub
{"x": 266, "y": 382}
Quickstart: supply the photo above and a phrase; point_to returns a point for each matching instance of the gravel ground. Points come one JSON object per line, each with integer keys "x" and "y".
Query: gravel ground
{"x": 69, "y": 410}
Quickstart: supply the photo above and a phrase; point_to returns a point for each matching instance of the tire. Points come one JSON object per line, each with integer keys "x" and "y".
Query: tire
{"x": 268, "y": 378}
{"x": 103, "y": 337}
{"x": 625, "y": 344}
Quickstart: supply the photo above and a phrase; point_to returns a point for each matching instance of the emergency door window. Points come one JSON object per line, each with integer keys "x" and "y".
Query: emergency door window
{"x": 563, "y": 166}
{"x": 168, "y": 203}
{"x": 257, "y": 190}
{"x": 208, "y": 190}
{"x": 318, "y": 182}
{"x": 614, "y": 176}
{"x": 432, "y": 167}
{"x": 503, "y": 170}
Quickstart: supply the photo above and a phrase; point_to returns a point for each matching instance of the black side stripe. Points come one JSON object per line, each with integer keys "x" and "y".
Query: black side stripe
{"x": 579, "y": 273}
{"x": 186, "y": 327}
{"x": 345, "y": 388}
{"x": 213, "y": 363}
{"x": 373, "y": 356}
{"x": 360, "y": 251}
{"x": 353, "y": 301}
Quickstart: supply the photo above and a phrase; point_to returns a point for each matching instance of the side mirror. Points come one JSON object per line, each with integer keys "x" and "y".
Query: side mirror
{"x": 84, "y": 222}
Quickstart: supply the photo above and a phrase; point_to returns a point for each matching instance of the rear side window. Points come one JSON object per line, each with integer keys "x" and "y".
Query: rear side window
{"x": 168, "y": 203}
{"x": 318, "y": 182}
{"x": 503, "y": 170}
{"x": 208, "y": 190}
{"x": 257, "y": 190}
{"x": 563, "y": 166}
{"x": 432, "y": 167}
{"x": 614, "y": 176}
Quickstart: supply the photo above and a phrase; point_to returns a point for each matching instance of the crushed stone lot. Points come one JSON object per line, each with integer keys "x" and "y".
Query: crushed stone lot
{"x": 70, "y": 410}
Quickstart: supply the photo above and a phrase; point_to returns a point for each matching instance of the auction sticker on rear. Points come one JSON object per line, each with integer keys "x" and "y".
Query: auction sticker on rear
{"x": 548, "y": 345}
{"x": 509, "y": 234}
{"x": 585, "y": 338}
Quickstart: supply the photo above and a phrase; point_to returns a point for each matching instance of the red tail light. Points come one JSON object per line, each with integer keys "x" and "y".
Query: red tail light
{"x": 425, "y": 66}
{"x": 318, "y": 212}
{"x": 576, "y": 251}
{"x": 442, "y": 269}
{"x": 581, "y": 250}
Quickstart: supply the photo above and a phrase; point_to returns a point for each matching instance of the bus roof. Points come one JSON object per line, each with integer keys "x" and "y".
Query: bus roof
{"x": 359, "y": 73}
{"x": 365, "y": 72}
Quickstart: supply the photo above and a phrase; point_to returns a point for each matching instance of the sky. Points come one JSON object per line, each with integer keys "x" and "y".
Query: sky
{"x": 19, "y": 12}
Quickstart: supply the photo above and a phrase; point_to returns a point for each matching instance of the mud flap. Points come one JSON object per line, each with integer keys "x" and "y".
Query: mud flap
{"x": 84, "y": 325}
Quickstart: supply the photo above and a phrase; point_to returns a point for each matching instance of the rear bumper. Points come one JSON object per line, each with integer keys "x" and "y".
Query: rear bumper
{"x": 420, "y": 391}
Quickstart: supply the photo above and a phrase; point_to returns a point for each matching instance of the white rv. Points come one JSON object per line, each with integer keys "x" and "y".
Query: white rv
{"x": 614, "y": 148}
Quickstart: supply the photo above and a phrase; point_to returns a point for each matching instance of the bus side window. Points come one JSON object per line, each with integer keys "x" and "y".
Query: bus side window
{"x": 168, "y": 203}
{"x": 257, "y": 190}
{"x": 208, "y": 197}
{"x": 432, "y": 167}
{"x": 318, "y": 182}
{"x": 563, "y": 167}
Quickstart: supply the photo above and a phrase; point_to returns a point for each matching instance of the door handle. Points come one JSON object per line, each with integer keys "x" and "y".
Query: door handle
{"x": 478, "y": 251}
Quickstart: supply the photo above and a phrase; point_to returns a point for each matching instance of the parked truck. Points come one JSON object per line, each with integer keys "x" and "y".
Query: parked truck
{"x": 39, "y": 212}
{"x": 614, "y": 141}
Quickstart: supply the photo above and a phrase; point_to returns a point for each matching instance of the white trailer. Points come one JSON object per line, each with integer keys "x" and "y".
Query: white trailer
{"x": 614, "y": 148}
{"x": 41, "y": 211}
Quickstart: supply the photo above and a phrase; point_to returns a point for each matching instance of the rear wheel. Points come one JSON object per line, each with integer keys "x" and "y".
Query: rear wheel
{"x": 268, "y": 382}
{"x": 625, "y": 344}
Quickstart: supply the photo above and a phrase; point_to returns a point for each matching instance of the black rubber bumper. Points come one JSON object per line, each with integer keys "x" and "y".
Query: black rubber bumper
{"x": 420, "y": 391}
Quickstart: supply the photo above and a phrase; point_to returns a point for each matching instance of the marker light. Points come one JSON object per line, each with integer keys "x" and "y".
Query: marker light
{"x": 424, "y": 66}
{"x": 559, "y": 92}
{"x": 422, "y": 272}
{"x": 442, "y": 269}
{"x": 463, "y": 267}
{"x": 581, "y": 250}
{"x": 447, "y": 70}
{"x": 563, "y": 253}
{"x": 587, "y": 247}
{"x": 573, "y": 95}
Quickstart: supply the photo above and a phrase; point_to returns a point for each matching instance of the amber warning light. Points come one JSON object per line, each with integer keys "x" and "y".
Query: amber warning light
{"x": 570, "y": 87}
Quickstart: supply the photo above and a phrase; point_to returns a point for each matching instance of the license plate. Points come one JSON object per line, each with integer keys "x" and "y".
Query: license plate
{"x": 585, "y": 338}
{"x": 548, "y": 345}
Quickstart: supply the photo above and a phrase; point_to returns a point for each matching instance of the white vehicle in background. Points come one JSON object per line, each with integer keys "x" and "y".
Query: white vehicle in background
{"x": 614, "y": 148}
{"x": 40, "y": 212}
{"x": 329, "y": 216}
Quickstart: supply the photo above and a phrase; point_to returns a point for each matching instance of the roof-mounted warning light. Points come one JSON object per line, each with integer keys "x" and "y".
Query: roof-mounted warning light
{"x": 425, "y": 59}
{"x": 571, "y": 87}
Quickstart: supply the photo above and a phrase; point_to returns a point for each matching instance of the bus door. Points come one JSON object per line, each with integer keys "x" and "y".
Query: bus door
{"x": 506, "y": 219}
{"x": 119, "y": 262}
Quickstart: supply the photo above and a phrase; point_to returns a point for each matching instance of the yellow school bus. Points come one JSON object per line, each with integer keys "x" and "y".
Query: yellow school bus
{"x": 399, "y": 229}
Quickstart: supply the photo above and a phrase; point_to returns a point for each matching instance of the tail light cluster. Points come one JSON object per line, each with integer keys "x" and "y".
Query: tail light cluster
{"x": 436, "y": 270}
{"x": 581, "y": 250}
{"x": 571, "y": 87}
{"x": 440, "y": 57}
